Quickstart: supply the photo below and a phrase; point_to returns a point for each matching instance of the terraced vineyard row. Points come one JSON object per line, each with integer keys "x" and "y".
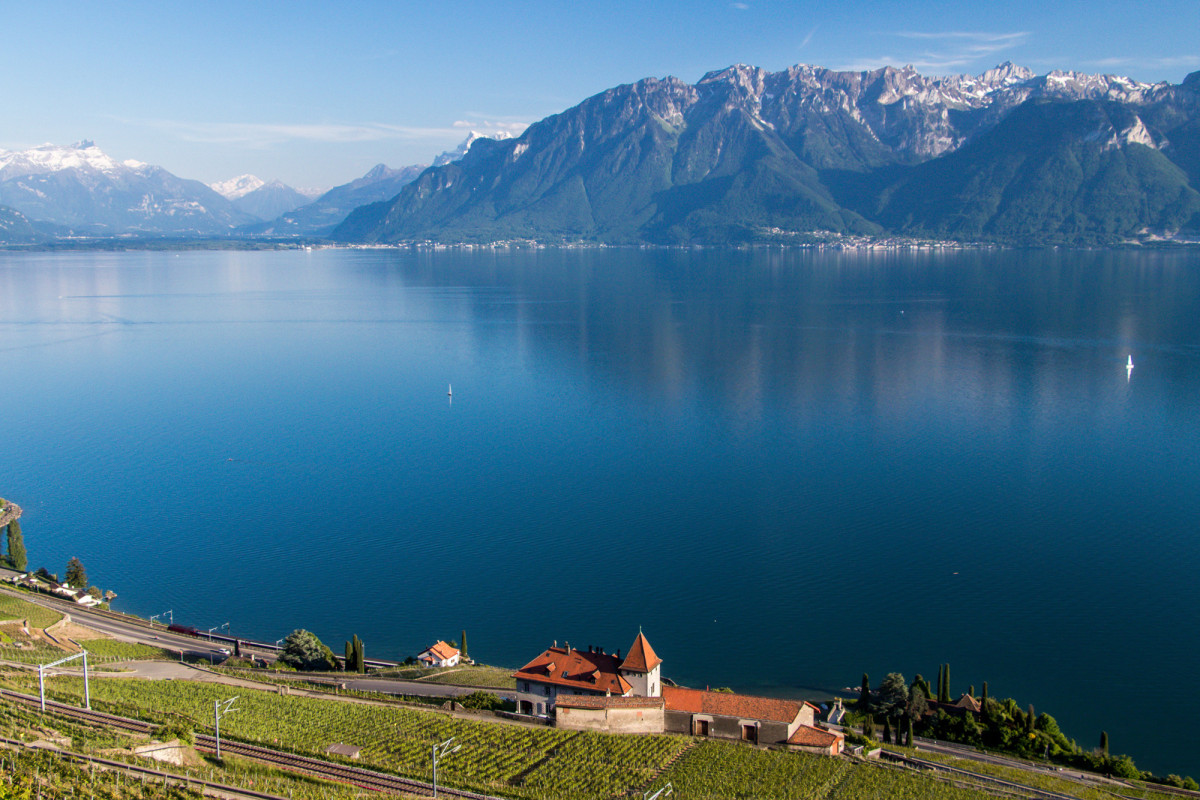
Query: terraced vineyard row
{"x": 492, "y": 757}
{"x": 728, "y": 771}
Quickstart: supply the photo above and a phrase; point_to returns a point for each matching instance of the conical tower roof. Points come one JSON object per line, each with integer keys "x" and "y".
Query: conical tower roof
{"x": 642, "y": 657}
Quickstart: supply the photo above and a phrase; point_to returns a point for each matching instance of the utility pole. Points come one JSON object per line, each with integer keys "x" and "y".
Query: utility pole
{"x": 441, "y": 751}
{"x": 220, "y": 709}
{"x": 666, "y": 791}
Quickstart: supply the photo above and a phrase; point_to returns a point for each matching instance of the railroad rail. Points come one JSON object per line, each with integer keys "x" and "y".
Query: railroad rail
{"x": 358, "y": 776}
{"x": 97, "y": 717}
{"x": 921, "y": 763}
{"x": 343, "y": 773}
{"x": 155, "y": 774}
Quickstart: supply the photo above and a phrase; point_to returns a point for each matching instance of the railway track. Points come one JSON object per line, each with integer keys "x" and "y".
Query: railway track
{"x": 83, "y": 714}
{"x": 358, "y": 776}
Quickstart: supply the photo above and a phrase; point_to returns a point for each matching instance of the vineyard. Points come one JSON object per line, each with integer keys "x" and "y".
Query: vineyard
{"x": 725, "y": 770}
{"x": 46, "y": 775}
{"x": 12, "y": 608}
{"x": 538, "y": 763}
{"x": 514, "y": 760}
{"x": 1047, "y": 781}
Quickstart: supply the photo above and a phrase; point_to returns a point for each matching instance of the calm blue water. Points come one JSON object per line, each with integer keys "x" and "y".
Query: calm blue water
{"x": 788, "y": 468}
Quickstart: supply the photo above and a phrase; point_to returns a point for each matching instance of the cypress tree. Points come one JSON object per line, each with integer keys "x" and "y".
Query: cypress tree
{"x": 908, "y": 725}
{"x": 464, "y": 646}
{"x": 869, "y": 726}
{"x": 1104, "y": 743}
{"x": 887, "y": 731}
{"x": 946, "y": 681}
{"x": 16, "y": 547}
{"x": 1032, "y": 718}
{"x": 360, "y": 655}
{"x": 348, "y": 665}
{"x": 864, "y": 694}
{"x": 971, "y": 690}
{"x": 983, "y": 704}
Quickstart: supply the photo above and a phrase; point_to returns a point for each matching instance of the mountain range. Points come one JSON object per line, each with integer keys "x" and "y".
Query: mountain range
{"x": 78, "y": 190}
{"x": 748, "y": 155}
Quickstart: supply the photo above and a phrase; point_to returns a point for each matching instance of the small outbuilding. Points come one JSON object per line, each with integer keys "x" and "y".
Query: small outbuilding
{"x": 347, "y": 750}
{"x": 812, "y": 739}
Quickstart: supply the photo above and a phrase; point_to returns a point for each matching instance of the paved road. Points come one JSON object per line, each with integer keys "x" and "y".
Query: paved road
{"x": 138, "y": 630}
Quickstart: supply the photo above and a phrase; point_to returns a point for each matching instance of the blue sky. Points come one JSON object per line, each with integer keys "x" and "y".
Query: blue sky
{"x": 315, "y": 93}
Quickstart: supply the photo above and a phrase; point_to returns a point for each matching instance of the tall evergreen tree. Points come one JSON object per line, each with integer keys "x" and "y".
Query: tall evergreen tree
{"x": 76, "y": 574}
{"x": 984, "y": 714}
{"x": 887, "y": 731}
{"x": 946, "y": 682}
{"x": 464, "y": 646}
{"x": 864, "y": 694}
{"x": 1030, "y": 720}
{"x": 348, "y": 664}
{"x": 869, "y": 726}
{"x": 16, "y": 547}
{"x": 360, "y": 655}
{"x": 971, "y": 690}
{"x": 908, "y": 728}
{"x": 1104, "y": 743}
{"x": 941, "y": 669}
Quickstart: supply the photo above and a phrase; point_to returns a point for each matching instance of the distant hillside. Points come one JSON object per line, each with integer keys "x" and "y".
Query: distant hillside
{"x": 746, "y": 155}
{"x": 14, "y": 227}
{"x": 82, "y": 189}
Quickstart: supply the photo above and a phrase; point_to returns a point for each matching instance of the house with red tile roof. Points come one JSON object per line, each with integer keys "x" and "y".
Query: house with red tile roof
{"x": 587, "y": 673}
{"x": 812, "y": 739}
{"x": 440, "y": 654}
{"x": 725, "y": 715}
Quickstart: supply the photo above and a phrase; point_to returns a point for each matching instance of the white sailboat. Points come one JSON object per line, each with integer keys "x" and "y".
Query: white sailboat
{"x": 449, "y": 390}
{"x": 1129, "y": 368}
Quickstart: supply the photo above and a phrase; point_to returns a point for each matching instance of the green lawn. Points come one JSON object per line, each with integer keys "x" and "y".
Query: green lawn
{"x": 13, "y": 607}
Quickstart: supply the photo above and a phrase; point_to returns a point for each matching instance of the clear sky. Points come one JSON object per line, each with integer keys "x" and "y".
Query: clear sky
{"x": 315, "y": 93}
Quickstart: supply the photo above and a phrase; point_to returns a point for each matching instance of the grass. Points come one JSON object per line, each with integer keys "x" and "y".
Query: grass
{"x": 490, "y": 677}
{"x": 13, "y": 607}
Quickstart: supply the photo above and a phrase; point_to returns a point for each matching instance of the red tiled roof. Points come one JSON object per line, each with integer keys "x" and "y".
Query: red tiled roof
{"x": 442, "y": 651}
{"x": 642, "y": 657}
{"x": 575, "y": 669}
{"x": 809, "y": 736}
{"x": 596, "y": 701}
{"x": 725, "y": 704}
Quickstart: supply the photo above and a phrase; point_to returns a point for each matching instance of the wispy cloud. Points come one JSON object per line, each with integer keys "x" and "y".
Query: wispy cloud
{"x": 740, "y": 6}
{"x": 808, "y": 38}
{"x": 1157, "y": 62}
{"x": 256, "y": 134}
{"x": 947, "y": 51}
{"x": 492, "y": 125}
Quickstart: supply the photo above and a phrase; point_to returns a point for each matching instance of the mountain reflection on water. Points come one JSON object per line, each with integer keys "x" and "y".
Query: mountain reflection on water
{"x": 787, "y": 467}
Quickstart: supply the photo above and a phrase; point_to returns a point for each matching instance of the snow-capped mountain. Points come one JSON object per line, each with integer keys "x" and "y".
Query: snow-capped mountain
{"x": 237, "y": 187}
{"x": 745, "y": 154}
{"x": 457, "y": 153}
{"x": 262, "y": 199}
{"x": 84, "y": 189}
{"x": 320, "y": 216}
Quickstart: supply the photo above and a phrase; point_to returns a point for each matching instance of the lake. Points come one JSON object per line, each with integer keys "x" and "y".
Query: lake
{"x": 786, "y": 467}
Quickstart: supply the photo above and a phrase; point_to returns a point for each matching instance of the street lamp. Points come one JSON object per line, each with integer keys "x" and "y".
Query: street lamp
{"x": 666, "y": 791}
{"x": 224, "y": 625}
{"x": 441, "y": 751}
{"x": 221, "y": 708}
{"x": 169, "y": 614}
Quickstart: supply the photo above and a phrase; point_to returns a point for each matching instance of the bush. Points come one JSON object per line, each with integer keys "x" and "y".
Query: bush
{"x": 482, "y": 701}
{"x": 304, "y": 651}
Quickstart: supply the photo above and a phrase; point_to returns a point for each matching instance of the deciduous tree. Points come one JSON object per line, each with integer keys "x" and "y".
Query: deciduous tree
{"x": 304, "y": 651}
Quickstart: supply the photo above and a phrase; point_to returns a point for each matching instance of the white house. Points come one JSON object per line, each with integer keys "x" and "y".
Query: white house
{"x": 440, "y": 654}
